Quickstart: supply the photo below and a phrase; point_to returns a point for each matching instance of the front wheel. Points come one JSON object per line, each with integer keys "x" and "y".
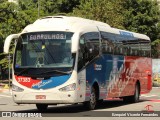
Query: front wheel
{"x": 42, "y": 107}
{"x": 91, "y": 104}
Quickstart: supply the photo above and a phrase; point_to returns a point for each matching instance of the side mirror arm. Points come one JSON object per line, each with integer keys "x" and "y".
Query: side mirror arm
{"x": 8, "y": 42}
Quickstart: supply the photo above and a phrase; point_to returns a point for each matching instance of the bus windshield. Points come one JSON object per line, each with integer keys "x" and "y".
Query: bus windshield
{"x": 44, "y": 50}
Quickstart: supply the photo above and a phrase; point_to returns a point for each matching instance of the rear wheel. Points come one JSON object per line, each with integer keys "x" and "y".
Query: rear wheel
{"x": 134, "y": 98}
{"x": 42, "y": 107}
{"x": 91, "y": 104}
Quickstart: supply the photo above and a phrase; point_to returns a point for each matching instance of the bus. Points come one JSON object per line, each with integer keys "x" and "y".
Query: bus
{"x": 72, "y": 60}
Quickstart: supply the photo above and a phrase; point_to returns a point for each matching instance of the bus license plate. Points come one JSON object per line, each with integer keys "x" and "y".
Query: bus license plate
{"x": 40, "y": 96}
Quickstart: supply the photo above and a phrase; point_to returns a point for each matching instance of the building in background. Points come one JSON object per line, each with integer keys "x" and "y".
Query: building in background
{"x": 156, "y": 72}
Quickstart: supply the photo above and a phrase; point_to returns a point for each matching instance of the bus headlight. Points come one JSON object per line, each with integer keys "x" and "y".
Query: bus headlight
{"x": 70, "y": 87}
{"x": 16, "y": 88}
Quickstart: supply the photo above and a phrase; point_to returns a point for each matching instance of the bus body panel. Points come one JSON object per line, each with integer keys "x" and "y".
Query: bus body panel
{"x": 52, "y": 95}
{"x": 55, "y": 97}
{"x": 117, "y": 75}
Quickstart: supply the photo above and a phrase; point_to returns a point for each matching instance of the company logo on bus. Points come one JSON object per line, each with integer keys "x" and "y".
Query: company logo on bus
{"x": 41, "y": 84}
{"x": 97, "y": 67}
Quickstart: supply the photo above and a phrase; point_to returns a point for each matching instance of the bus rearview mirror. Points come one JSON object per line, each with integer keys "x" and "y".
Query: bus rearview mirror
{"x": 75, "y": 43}
{"x": 8, "y": 42}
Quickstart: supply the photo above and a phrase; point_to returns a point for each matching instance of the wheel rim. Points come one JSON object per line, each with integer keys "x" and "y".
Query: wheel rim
{"x": 93, "y": 100}
{"x": 137, "y": 94}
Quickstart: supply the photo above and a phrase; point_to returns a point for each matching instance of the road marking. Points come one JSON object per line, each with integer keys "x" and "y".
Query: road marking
{"x": 155, "y": 100}
{"x": 148, "y": 95}
{"x": 5, "y": 96}
{"x": 155, "y": 87}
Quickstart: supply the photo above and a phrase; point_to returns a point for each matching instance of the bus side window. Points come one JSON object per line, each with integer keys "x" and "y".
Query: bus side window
{"x": 92, "y": 45}
{"x": 145, "y": 48}
{"x": 107, "y": 43}
{"x": 106, "y": 48}
{"x": 136, "y": 54}
{"x": 116, "y": 50}
{"x": 81, "y": 53}
{"x": 148, "y": 53}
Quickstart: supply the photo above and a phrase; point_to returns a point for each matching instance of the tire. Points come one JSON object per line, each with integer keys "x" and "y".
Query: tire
{"x": 91, "y": 104}
{"x": 42, "y": 107}
{"x": 134, "y": 98}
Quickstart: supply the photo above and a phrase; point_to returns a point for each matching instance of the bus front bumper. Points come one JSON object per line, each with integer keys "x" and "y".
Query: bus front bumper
{"x": 45, "y": 97}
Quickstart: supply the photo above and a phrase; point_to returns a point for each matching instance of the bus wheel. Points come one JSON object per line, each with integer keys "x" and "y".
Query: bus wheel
{"x": 42, "y": 107}
{"x": 136, "y": 94}
{"x": 134, "y": 98}
{"x": 91, "y": 104}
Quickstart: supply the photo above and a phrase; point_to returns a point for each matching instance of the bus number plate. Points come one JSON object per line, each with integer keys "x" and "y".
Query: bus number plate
{"x": 41, "y": 97}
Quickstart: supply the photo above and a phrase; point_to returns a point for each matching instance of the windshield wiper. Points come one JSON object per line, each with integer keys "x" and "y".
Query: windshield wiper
{"x": 23, "y": 71}
{"x": 56, "y": 71}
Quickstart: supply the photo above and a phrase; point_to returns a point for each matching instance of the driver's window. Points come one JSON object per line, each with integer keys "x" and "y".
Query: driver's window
{"x": 92, "y": 45}
{"x": 88, "y": 48}
{"x": 81, "y": 52}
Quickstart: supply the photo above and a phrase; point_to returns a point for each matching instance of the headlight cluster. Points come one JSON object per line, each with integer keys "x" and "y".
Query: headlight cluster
{"x": 70, "y": 87}
{"x": 16, "y": 88}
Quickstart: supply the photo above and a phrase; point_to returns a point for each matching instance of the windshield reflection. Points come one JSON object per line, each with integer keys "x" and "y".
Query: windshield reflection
{"x": 44, "y": 50}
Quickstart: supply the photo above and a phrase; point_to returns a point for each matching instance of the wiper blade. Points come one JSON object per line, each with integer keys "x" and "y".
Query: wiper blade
{"x": 56, "y": 71}
{"x": 23, "y": 71}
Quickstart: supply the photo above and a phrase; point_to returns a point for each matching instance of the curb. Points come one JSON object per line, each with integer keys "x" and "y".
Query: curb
{"x": 155, "y": 87}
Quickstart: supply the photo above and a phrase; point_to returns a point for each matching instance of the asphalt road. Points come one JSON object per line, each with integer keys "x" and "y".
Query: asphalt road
{"x": 108, "y": 108}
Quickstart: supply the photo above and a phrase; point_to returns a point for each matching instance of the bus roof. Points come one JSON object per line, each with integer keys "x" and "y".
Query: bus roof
{"x": 67, "y": 23}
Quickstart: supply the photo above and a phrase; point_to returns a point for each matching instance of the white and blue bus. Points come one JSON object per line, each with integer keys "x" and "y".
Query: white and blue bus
{"x": 68, "y": 60}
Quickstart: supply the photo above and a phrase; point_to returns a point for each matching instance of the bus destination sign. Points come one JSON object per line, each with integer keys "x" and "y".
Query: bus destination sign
{"x": 47, "y": 36}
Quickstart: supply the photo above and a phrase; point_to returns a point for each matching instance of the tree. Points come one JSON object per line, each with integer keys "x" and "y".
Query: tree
{"x": 12, "y": 22}
{"x": 14, "y": 17}
{"x": 107, "y": 11}
{"x": 143, "y": 16}
{"x": 8, "y": 25}
{"x": 67, "y": 6}
{"x": 47, "y": 7}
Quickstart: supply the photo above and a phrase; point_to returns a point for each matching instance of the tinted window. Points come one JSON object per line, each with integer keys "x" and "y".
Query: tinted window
{"x": 88, "y": 48}
{"x": 107, "y": 42}
{"x": 124, "y": 44}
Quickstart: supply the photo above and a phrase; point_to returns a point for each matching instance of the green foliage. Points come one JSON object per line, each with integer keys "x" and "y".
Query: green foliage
{"x": 66, "y": 6}
{"x": 108, "y": 11}
{"x": 12, "y": 22}
{"x": 47, "y": 7}
{"x": 142, "y": 16}
{"x": 14, "y": 17}
{"x": 135, "y": 15}
{"x": 7, "y": 14}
